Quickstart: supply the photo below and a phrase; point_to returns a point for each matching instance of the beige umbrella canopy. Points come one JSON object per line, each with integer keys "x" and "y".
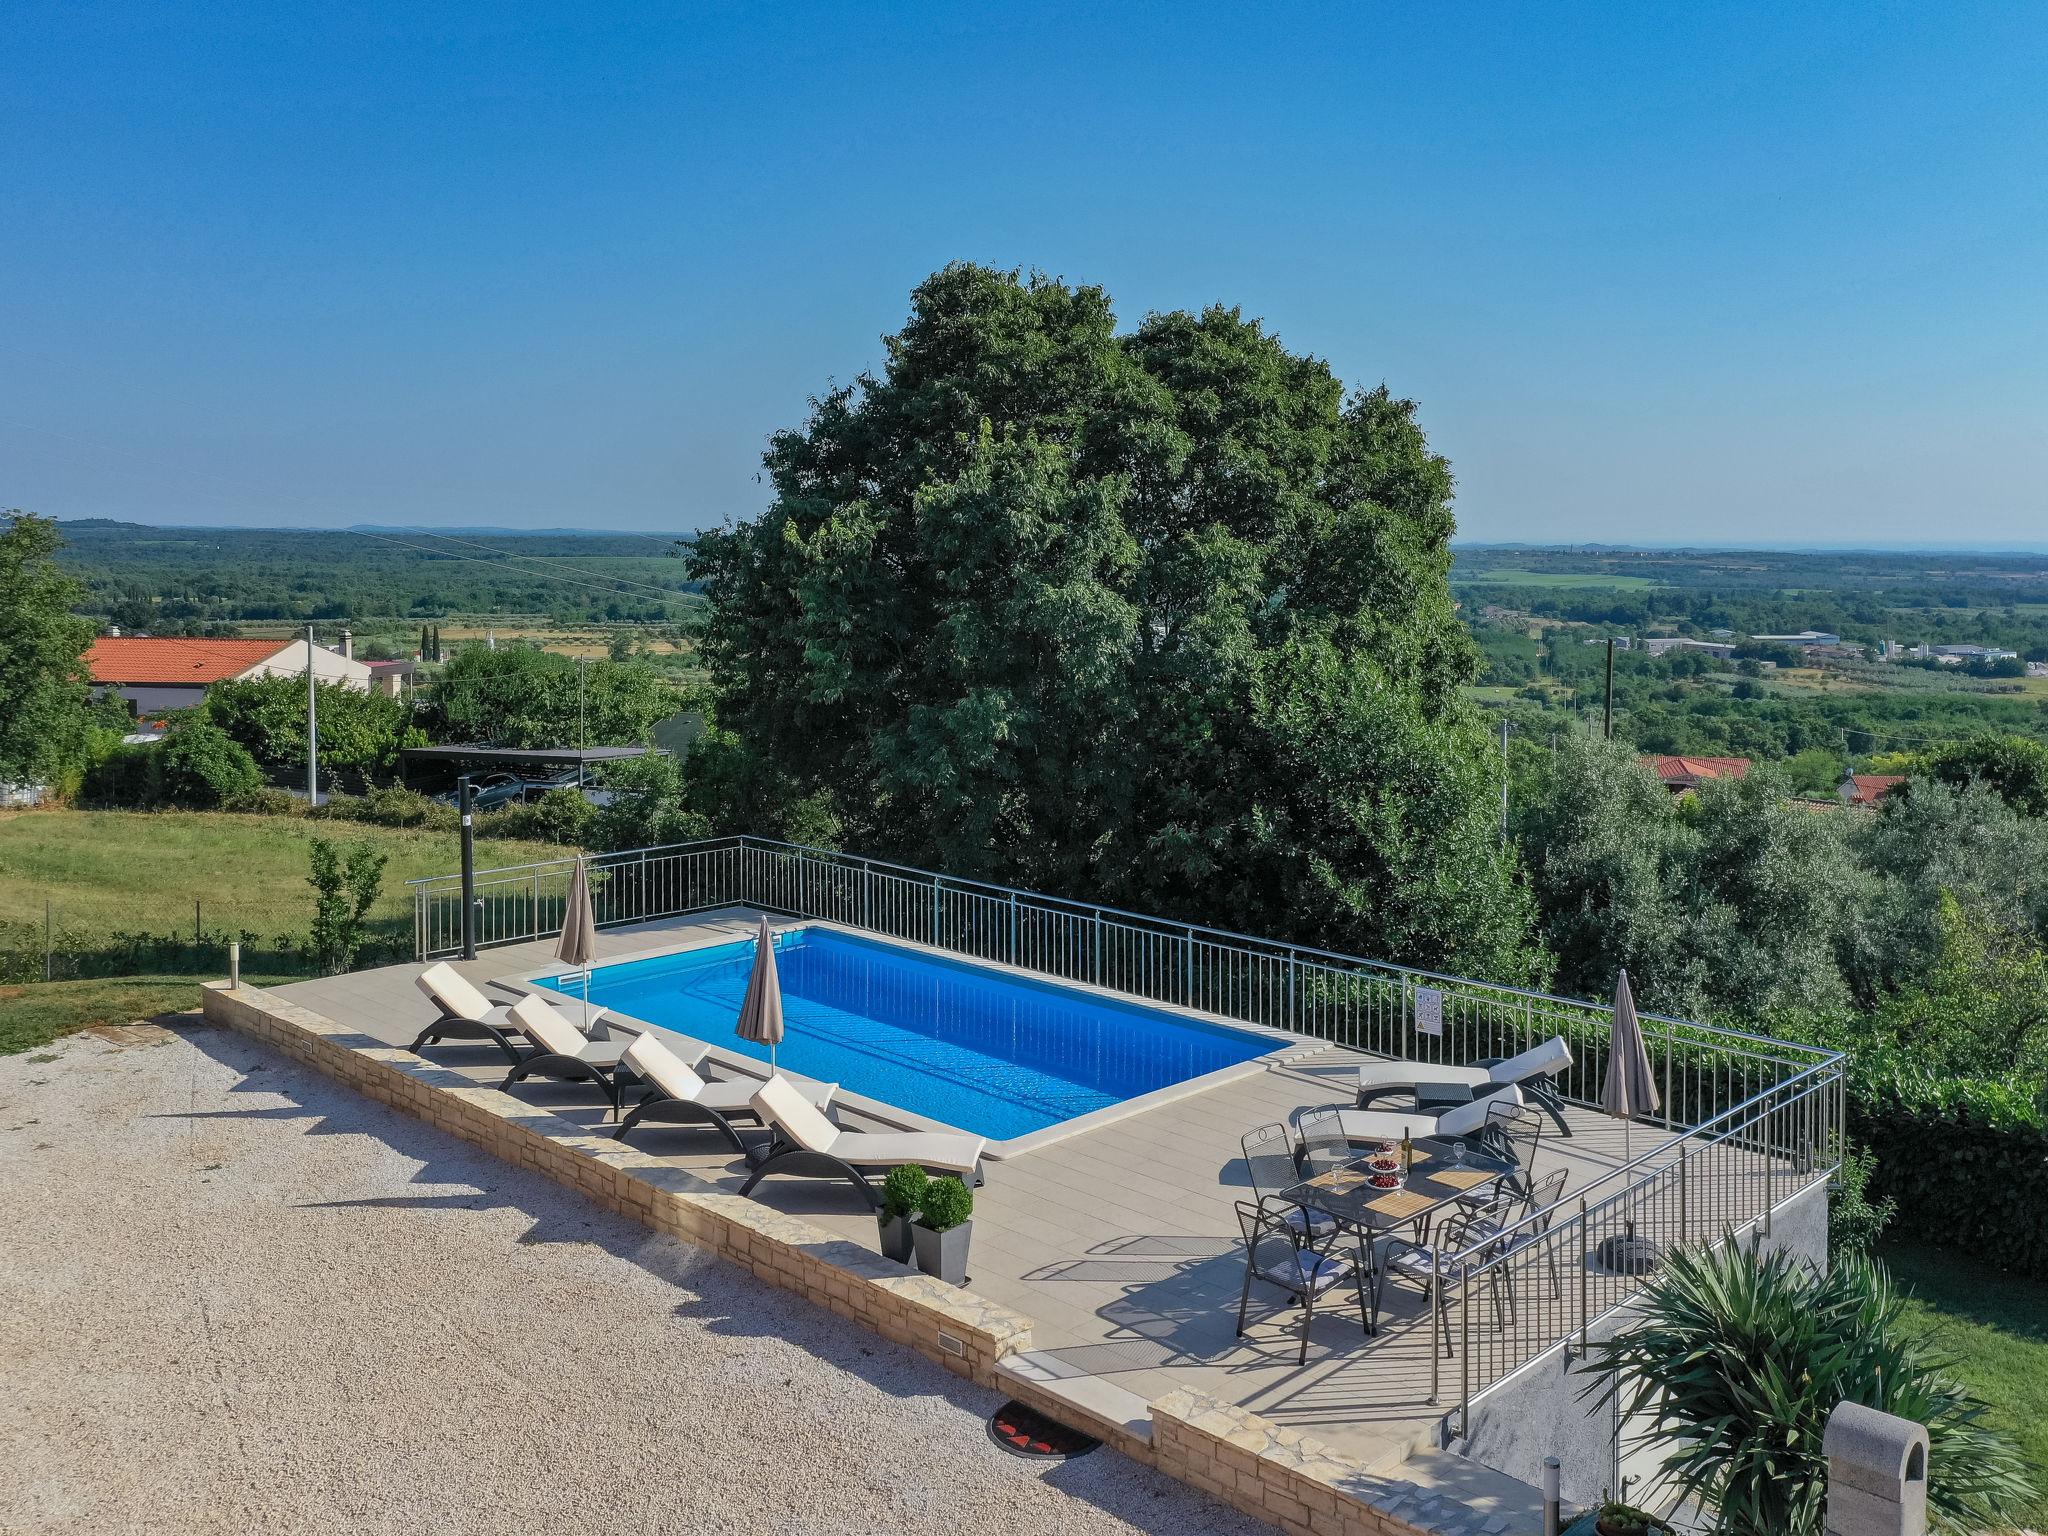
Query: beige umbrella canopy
{"x": 1631, "y": 1086}
{"x": 578, "y": 946}
{"x": 761, "y": 1011}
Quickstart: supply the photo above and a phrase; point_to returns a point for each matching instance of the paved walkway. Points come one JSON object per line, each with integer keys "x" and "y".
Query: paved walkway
{"x": 236, "y": 1297}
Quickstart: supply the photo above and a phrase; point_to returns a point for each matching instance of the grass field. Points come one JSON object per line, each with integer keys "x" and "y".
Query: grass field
{"x": 35, "y": 1014}
{"x": 136, "y": 871}
{"x": 1993, "y": 1329}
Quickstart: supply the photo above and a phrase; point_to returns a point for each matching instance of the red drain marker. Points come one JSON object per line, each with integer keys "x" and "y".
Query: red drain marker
{"x": 1025, "y": 1431}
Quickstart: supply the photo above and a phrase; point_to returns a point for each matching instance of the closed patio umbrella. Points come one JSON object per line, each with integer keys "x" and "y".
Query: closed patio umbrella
{"x": 578, "y": 946}
{"x": 1630, "y": 1090}
{"x": 1631, "y": 1087}
{"x": 761, "y": 1010}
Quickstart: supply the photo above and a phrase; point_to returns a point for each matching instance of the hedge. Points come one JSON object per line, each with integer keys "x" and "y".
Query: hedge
{"x": 1966, "y": 1158}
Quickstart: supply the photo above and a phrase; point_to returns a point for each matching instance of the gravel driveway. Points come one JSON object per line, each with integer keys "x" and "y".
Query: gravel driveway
{"x": 235, "y": 1297}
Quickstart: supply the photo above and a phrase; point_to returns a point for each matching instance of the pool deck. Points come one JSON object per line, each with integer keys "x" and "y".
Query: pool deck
{"x": 1120, "y": 1241}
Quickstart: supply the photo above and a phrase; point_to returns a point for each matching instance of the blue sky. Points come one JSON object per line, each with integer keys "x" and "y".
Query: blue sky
{"x": 1655, "y": 272}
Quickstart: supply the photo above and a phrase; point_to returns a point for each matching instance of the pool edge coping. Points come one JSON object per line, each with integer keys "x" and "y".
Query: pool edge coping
{"x": 1288, "y": 1046}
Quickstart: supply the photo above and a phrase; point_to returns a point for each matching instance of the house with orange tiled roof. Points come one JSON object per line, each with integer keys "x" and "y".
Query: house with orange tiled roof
{"x": 156, "y": 673}
{"x": 1869, "y": 788}
{"x": 1681, "y": 774}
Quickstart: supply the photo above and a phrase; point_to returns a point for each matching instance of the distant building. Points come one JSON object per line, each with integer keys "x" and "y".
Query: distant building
{"x": 388, "y": 677}
{"x": 1868, "y": 788}
{"x": 1805, "y": 638}
{"x": 2037, "y": 669}
{"x": 1663, "y": 643}
{"x": 1621, "y": 642}
{"x": 1956, "y": 655}
{"x": 156, "y": 674}
{"x": 1683, "y": 774}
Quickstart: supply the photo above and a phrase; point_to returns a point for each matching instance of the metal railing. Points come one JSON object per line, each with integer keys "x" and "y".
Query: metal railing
{"x": 1755, "y": 1119}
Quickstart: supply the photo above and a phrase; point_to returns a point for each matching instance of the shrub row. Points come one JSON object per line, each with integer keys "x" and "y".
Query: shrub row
{"x": 558, "y": 816}
{"x": 1965, "y": 1158}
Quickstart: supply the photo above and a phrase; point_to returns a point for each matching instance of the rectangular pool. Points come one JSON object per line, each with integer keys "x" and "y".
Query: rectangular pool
{"x": 988, "y": 1051}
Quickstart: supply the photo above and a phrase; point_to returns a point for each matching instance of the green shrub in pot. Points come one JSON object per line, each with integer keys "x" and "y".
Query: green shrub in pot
{"x": 939, "y": 1235}
{"x": 903, "y": 1192}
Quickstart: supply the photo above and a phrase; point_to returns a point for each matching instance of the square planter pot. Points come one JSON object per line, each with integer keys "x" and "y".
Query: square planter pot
{"x": 943, "y": 1254}
{"x": 895, "y": 1236}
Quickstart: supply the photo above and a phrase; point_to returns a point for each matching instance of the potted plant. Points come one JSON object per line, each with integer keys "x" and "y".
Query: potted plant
{"x": 940, "y": 1232}
{"x": 902, "y": 1193}
{"x": 1619, "y": 1519}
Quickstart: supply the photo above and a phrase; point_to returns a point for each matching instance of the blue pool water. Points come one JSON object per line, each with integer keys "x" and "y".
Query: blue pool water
{"x": 989, "y": 1052}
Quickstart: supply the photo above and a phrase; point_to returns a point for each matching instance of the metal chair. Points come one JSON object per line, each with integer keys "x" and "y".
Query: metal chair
{"x": 1512, "y": 1131}
{"x": 1269, "y": 1162}
{"x": 1324, "y": 1145}
{"x": 1423, "y": 1264}
{"x": 1526, "y": 1224}
{"x": 1272, "y": 1254}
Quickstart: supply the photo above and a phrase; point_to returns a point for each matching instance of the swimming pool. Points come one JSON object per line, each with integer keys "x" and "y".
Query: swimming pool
{"x": 988, "y": 1051}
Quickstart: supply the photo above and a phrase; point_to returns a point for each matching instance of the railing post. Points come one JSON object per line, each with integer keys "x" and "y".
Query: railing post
{"x": 533, "y": 907}
{"x": 1585, "y": 1253}
{"x": 1188, "y": 967}
{"x": 1098, "y": 946}
{"x": 867, "y": 897}
{"x": 1684, "y": 1200}
{"x": 1437, "y": 1328}
{"x": 467, "y": 795}
{"x": 935, "y": 913}
{"x": 1465, "y": 1373}
{"x": 49, "y": 944}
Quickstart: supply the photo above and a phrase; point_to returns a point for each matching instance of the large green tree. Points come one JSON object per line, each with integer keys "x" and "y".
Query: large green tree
{"x": 1159, "y": 618}
{"x": 45, "y": 717}
{"x": 523, "y": 696}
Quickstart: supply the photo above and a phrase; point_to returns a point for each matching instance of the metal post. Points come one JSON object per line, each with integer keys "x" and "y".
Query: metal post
{"x": 1465, "y": 1344}
{"x": 1013, "y": 927}
{"x": 1436, "y": 1320}
{"x": 235, "y": 964}
{"x": 935, "y": 912}
{"x": 1552, "y": 1501}
{"x": 1188, "y": 967}
{"x": 49, "y": 948}
{"x": 312, "y": 728}
{"x": 196, "y": 939}
{"x": 467, "y": 793}
{"x": 1584, "y": 1315}
{"x": 582, "y": 741}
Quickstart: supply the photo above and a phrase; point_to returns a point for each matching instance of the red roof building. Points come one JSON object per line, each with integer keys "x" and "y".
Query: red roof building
{"x": 173, "y": 662}
{"x": 1679, "y": 774}
{"x": 1869, "y": 788}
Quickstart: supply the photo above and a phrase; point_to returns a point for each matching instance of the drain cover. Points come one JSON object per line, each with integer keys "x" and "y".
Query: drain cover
{"x": 1025, "y": 1431}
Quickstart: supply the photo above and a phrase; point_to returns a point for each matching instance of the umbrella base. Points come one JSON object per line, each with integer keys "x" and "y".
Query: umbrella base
{"x": 1628, "y": 1255}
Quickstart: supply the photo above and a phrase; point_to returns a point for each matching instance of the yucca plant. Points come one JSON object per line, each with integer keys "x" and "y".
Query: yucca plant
{"x": 1739, "y": 1358}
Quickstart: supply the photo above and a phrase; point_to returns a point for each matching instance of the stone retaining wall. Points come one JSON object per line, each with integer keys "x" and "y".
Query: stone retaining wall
{"x": 1230, "y": 1453}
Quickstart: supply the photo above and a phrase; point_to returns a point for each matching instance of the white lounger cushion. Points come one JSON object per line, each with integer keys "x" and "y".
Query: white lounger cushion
{"x": 778, "y": 1103}
{"x": 1547, "y": 1059}
{"x": 659, "y": 1063}
{"x": 662, "y": 1066}
{"x": 549, "y": 1030}
{"x": 452, "y": 993}
{"x": 1392, "y": 1124}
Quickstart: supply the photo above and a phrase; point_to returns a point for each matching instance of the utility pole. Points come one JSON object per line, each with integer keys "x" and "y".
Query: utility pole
{"x": 312, "y": 728}
{"x": 1608, "y": 722}
{"x": 582, "y": 743}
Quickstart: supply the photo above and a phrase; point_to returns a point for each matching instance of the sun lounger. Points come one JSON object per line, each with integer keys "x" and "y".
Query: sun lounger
{"x": 678, "y": 1096}
{"x": 466, "y": 1014}
{"x": 806, "y": 1144}
{"x": 561, "y": 1049}
{"x": 1368, "y": 1125}
{"x": 1530, "y": 1071}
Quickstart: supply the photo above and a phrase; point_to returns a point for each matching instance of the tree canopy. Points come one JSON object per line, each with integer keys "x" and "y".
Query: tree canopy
{"x": 1160, "y": 617}
{"x": 522, "y": 696}
{"x": 44, "y": 713}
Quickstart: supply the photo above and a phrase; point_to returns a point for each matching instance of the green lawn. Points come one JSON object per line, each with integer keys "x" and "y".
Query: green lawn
{"x": 38, "y": 1013}
{"x": 1993, "y": 1328}
{"x": 106, "y": 873}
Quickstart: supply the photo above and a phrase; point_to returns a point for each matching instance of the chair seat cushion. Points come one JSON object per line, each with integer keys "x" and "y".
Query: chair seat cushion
{"x": 1310, "y": 1223}
{"x": 1304, "y": 1271}
{"x": 735, "y": 1095}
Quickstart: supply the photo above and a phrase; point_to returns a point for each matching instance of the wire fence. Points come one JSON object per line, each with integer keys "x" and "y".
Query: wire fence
{"x": 45, "y": 937}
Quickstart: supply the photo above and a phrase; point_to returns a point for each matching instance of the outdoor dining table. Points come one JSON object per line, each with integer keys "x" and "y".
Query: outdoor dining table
{"x": 1435, "y": 1179}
